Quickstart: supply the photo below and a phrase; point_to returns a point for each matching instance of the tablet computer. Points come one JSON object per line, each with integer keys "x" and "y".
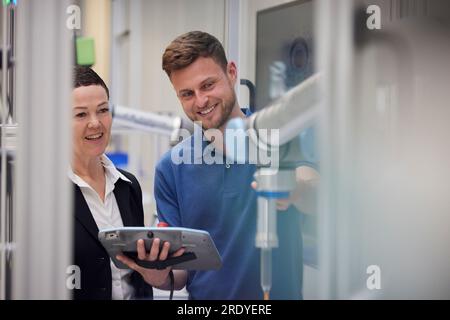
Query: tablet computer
{"x": 200, "y": 250}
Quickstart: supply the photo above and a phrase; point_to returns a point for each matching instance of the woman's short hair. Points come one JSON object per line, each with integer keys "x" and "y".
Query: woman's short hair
{"x": 85, "y": 76}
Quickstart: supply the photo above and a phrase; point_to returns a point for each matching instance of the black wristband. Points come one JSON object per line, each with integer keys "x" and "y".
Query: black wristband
{"x": 172, "y": 284}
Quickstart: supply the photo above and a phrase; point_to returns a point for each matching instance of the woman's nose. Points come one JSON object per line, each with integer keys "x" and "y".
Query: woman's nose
{"x": 94, "y": 122}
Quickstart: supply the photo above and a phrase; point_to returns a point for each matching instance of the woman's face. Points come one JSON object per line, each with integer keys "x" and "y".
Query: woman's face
{"x": 91, "y": 121}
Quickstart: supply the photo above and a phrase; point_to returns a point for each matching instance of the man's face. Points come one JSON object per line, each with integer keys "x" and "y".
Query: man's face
{"x": 206, "y": 92}
{"x": 91, "y": 121}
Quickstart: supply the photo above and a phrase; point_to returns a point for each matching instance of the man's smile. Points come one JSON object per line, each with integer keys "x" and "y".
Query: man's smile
{"x": 207, "y": 111}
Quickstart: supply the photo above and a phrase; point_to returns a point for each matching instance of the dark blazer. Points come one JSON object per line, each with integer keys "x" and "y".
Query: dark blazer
{"x": 90, "y": 255}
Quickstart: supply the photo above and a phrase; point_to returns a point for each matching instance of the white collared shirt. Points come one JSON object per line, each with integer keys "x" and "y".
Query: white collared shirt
{"x": 107, "y": 215}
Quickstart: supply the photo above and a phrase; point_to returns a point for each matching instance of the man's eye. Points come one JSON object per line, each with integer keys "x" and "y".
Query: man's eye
{"x": 186, "y": 95}
{"x": 208, "y": 85}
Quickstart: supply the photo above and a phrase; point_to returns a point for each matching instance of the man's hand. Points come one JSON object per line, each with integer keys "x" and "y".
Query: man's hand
{"x": 282, "y": 204}
{"x": 154, "y": 277}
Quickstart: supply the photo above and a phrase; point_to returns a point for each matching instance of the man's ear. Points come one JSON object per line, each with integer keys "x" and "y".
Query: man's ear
{"x": 232, "y": 72}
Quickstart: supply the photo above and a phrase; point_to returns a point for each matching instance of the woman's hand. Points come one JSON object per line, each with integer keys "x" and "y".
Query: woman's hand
{"x": 154, "y": 277}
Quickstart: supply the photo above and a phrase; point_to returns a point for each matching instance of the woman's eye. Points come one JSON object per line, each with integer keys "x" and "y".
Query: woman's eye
{"x": 104, "y": 110}
{"x": 80, "y": 115}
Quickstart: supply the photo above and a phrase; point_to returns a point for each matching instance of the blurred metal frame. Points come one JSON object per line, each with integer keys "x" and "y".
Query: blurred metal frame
{"x": 7, "y": 144}
{"x": 44, "y": 214}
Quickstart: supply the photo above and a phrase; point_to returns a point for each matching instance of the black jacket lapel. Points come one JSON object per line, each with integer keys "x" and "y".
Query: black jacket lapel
{"x": 83, "y": 214}
{"x": 122, "y": 194}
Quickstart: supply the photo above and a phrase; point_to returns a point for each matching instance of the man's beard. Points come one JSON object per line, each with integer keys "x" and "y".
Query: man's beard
{"x": 226, "y": 110}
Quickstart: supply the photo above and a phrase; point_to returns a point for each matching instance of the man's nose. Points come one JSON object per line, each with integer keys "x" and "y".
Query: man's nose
{"x": 201, "y": 100}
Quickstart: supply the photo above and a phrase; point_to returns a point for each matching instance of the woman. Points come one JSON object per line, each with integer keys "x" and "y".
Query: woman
{"x": 105, "y": 197}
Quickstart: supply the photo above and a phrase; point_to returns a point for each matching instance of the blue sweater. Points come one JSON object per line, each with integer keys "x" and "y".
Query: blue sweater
{"x": 218, "y": 198}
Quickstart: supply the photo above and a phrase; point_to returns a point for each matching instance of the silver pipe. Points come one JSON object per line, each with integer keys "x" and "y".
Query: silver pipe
{"x": 266, "y": 230}
{"x": 150, "y": 120}
{"x": 3, "y": 158}
{"x": 292, "y": 113}
{"x": 43, "y": 221}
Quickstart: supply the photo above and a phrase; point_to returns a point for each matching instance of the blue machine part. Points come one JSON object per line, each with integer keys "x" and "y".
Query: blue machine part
{"x": 120, "y": 159}
{"x": 273, "y": 194}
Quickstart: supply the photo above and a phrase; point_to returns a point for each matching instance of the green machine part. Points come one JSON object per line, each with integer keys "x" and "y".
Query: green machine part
{"x": 85, "y": 51}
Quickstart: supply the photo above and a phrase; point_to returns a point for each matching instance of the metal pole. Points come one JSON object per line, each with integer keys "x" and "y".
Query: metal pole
{"x": 44, "y": 208}
{"x": 135, "y": 81}
{"x": 232, "y": 32}
{"x": 3, "y": 156}
{"x": 333, "y": 25}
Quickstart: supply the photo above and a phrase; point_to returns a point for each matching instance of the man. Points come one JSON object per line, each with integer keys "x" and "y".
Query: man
{"x": 217, "y": 197}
